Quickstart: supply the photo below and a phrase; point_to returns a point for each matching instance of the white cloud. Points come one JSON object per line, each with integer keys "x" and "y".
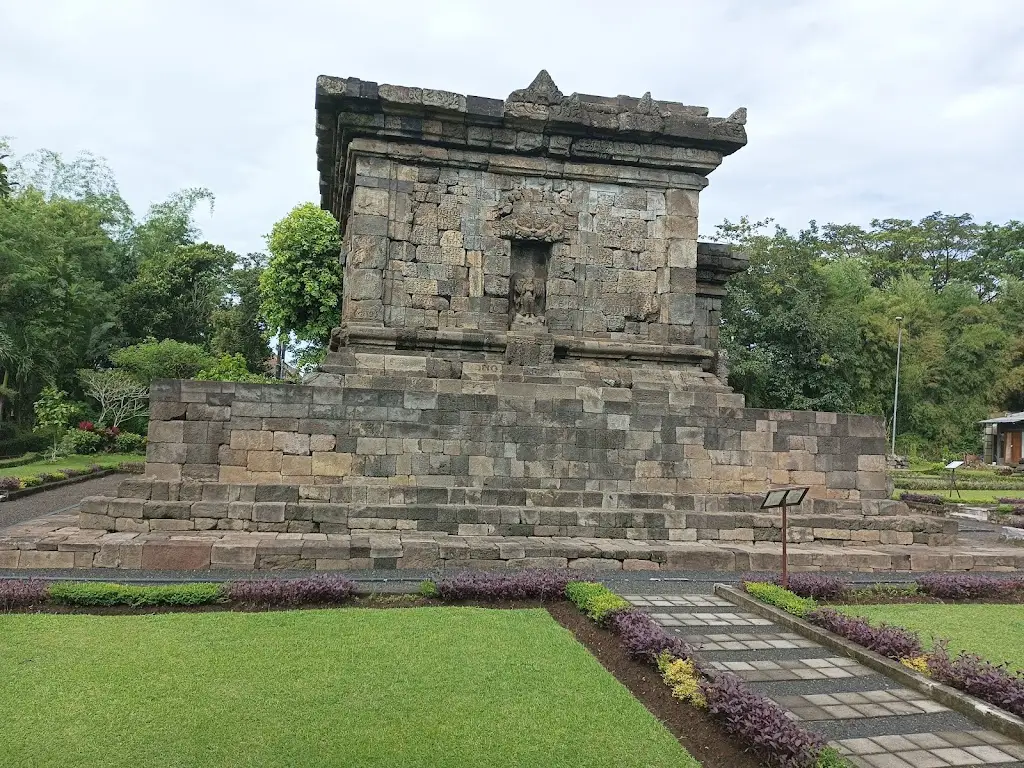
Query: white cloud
{"x": 857, "y": 110}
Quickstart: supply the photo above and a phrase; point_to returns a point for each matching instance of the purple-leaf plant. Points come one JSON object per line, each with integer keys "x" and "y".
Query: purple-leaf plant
{"x": 313, "y": 590}
{"x": 643, "y": 637}
{"x": 967, "y": 586}
{"x": 529, "y": 584}
{"x": 817, "y": 586}
{"x": 892, "y": 642}
{"x": 994, "y": 683}
{"x": 758, "y": 721}
{"x": 21, "y": 593}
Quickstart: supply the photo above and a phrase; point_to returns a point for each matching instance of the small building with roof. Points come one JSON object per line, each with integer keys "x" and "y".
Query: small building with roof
{"x": 1003, "y": 439}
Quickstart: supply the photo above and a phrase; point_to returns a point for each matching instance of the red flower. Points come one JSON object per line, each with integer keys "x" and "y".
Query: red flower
{"x": 86, "y": 426}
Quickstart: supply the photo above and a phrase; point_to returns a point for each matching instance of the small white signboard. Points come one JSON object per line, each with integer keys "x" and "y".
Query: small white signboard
{"x": 954, "y": 465}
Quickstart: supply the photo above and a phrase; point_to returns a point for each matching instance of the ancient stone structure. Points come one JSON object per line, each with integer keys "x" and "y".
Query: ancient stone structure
{"x": 527, "y": 348}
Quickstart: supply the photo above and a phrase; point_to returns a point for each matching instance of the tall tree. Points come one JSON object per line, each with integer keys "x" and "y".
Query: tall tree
{"x": 301, "y": 285}
{"x": 238, "y": 324}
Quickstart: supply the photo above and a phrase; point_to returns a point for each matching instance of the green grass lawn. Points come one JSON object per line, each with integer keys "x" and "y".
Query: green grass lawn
{"x": 969, "y": 497}
{"x": 70, "y": 462}
{"x": 347, "y": 687}
{"x": 995, "y": 632}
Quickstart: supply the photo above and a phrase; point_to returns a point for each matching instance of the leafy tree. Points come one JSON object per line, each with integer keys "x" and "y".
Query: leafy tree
{"x": 5, "y": 184}
{"x": 167, "y": 359}
{"x": 53, "y": 412}
{"x": 176, "y": 294}
{"x": 119, "y": 394}
{"x": 301, "y": 285}
{"x": 238, "y": 325}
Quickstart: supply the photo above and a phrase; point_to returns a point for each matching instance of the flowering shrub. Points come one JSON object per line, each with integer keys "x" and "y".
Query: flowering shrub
{"x": 994, "y": 683}
{"x": 967, "y": 586}
{"x": 51, "y": 477}
{"x": 21, "y": 593}
{"x": 892, "y": 642}
{"x": 683, "y": 678}
{"x": 922, "y": 498}
{"x": 515, "y": 585}
{"x": 595, "y": 600}
{"x": 816, "y": 586}
{"x": 643, "y": 637}
{"x": 315, "y": 590}
{"x": 86, "y": 426}
{"x": 760, "y": 722}
{"x": 10, "y": 483}
{"x": 780, "y": 598}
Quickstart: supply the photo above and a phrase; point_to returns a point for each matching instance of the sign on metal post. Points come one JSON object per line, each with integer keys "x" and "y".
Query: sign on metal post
{"x": 953, "y": 466}
{"x": 783, "y": 498}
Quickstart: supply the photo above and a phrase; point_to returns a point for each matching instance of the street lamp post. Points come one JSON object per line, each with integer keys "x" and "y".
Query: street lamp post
{"x": 896, "y": 392}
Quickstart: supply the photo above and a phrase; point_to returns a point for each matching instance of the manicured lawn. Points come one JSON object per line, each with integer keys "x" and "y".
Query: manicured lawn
{"x": 70, "y": 462}
{"x": 995, "y": 632}
{"x": 353, "y": 687}
{"x": 976, "y": 497}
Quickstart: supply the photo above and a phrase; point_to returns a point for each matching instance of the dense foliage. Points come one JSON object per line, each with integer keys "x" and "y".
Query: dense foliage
{"x": 528, "y": 584}
{"x": 812, "y": 322}
{"x": 773, "y": 594}
{"x": 994, "y": 683}
{"x": 969, "y": 586}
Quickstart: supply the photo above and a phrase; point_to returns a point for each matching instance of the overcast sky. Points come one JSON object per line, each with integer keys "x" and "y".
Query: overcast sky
{"x": 857, "y": 109}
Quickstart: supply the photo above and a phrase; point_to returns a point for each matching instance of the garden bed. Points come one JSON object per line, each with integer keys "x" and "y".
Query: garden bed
{"x": 40, "y": 476}
{"x": 717, "y": 718}
{"x": 818, "y": 599}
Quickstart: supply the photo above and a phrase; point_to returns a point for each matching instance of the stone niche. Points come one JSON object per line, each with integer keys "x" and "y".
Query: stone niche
{"x": 528, "y": 346}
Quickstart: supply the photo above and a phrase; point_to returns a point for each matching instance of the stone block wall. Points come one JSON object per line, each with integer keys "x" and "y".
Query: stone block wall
{"x": 144, "y": 506}
{"x": 430, "y": 243}
{"x": 415, "y": 431}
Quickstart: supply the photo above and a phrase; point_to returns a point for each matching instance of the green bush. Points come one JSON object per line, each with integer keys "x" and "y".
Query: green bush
{"x": 80, "y": 441}
{"x": 232, "y": 368}
{"x": 31, "y": 481}
{"x": 129, "y": 442}
{"x": 830, "y": 758}
{"x": 27, "y": 458}
{"x": 167, "y": 359}
{"x": 595, "y": 600}
{"x": 106, "y": 593}
{"x": 23, "y": 443}
{"x": 780, "y": 598}
{"x": 428, "y": 588}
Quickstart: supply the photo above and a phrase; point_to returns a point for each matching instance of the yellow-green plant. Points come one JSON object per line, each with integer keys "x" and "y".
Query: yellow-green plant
{"x": 683, "y": 678}
{"x": 917, "y": 663}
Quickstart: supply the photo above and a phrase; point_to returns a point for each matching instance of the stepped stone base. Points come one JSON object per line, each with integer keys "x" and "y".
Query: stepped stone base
{"x": 144, "y": 505}
{"x": 57, "y": 542}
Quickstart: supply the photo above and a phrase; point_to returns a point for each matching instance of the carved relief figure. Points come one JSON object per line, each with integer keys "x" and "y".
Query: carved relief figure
{"x": 527, "y": 296}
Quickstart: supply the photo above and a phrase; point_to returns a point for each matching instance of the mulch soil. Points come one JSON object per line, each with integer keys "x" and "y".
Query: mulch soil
{"x": 695, "y": 729}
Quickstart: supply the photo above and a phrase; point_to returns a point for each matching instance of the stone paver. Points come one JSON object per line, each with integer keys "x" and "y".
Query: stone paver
{"x": 833, "y": 668}
{"x": 932, "y": 750}
{"x": 854, "y": 704}
{"x": 870, "y": 719}
{"x": 742, "y": 641}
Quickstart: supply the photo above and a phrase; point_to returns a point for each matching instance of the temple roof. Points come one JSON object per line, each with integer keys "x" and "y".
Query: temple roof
{"x": 614, "y": 129}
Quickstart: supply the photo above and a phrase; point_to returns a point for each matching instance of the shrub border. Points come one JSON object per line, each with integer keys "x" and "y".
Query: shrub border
{"x": 988, "y": 714}
{"x": 12, "y": 495}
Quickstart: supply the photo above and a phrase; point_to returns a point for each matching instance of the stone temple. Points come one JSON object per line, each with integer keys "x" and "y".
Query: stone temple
{"x": 526, "y": 370}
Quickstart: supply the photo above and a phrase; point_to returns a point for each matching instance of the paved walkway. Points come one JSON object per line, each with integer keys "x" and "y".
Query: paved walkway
{"x": 869, "y": 718}
{"x": 55, "y": 500}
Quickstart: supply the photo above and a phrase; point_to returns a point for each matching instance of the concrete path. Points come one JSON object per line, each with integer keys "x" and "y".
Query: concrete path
{"x": 55, "y": 501}
{"x": 872, "y": 720}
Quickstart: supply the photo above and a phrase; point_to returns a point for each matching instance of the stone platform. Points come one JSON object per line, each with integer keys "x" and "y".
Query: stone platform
{"x": 57, "y": 542}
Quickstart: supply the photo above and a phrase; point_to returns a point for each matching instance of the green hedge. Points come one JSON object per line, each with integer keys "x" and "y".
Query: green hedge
{"x": 595, "y": 600}
{"x": 916, "y": 482}
{"x": 103, "y": 593}
{"x": 28, "y": 458}
{"x": 780, "y": 598}
{"x": 25, "y": 443}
